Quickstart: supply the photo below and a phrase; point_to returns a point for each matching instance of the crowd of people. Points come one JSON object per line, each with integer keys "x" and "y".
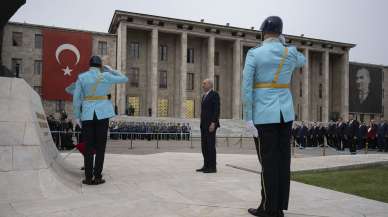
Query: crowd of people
{"x": 63, "y": 131}
{"x": 149, "y": 131}
{"x": 340, "y": 135}
{"x": 65, "y": 134}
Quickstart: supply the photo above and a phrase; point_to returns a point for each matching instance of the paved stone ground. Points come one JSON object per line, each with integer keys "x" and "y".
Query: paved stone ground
{"x": 166, "y": 184}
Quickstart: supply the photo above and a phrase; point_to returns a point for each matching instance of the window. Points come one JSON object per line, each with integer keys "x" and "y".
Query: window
{"x": 217, "y": 83}
{"x": 190, "y": 81}
{"x": 38, "y": 67}
{"x": 320, "y": 91}
{"x": 300, "y": 89}
{"x": 17, "y": 67}
{"x": 102, "y": 48}
{"x": 134, "y": 50}
{"x": 134, "y": 77}
{"x": 320, "y": 68}
{"x": 162, "y": 79}
{"x": 163, "y": 52}
{"x": 190, "y": 55}
{"x": 17, "y": 39}
{"x": 38, "y": 41}
{"x": 59, "y": 105}
{"x": 38, "y": 89}
{"x": 320, "y": 113}
{"x": 216, "y": 58}
{"x": 162, "y": 107}
{"x": 189, "y": 108}
{"x": 383, "y": 93}
{"x": 133, "y": 105}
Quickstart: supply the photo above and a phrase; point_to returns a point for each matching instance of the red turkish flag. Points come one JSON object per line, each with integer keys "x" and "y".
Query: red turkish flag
{"x": 65, "y": 55}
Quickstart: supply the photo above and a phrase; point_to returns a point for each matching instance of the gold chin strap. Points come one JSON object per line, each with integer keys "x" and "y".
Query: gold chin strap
{"x": 274, "y": 83}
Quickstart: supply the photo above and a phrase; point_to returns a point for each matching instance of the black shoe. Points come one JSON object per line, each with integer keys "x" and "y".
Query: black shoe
{"x": 209, "y": 171}
{"x": 259, "y": 213}
{"x": 88, "y": 182}
{"x": 98, "y": 181}
{"x": 280, "y": 213}
{"x": 200, "y": 170}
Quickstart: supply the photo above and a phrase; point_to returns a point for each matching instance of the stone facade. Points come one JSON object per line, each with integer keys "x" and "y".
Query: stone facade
{"x": 320, "y": 89}
{"x": 219, "y": 51}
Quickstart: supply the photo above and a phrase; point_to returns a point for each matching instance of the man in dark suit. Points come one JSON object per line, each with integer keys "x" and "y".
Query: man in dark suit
{"x": 302, "y": 136}
{"x": 381, "y": 128}
{"x": 363, "y": 133}
{"x": 210, "y": 114}
{"x": 351, "y": 133}
{"x": 340, "y": 133}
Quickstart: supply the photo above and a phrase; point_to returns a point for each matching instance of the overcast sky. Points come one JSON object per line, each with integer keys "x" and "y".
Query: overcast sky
{"x": 362, "y": 22}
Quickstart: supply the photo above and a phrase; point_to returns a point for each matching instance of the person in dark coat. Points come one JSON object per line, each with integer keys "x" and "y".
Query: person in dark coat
{"x": 363, "y": 134}
{"x": 340, "y": 134}
{"x": 302, "y": 134}
{"x": 381, "y": 129}
{"x": 352, "y": 130}
{"x": 321, "y": 135}
{"x": 372, "y": 133}
{"x": 330, "y": 134}
{"x": 210, "y": 114}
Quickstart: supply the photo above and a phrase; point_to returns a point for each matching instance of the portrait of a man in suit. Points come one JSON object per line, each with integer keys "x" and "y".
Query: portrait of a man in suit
{"x": 365, "y": 89}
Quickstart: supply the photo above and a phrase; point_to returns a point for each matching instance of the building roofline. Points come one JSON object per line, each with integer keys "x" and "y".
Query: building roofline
{"x": 59, "y": 28}
{"x": 368, "y": 64}
{"x": 204, "y": 24}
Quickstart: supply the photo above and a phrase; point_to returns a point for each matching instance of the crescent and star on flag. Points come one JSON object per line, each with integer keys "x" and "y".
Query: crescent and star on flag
{"x": 72, "y": 48}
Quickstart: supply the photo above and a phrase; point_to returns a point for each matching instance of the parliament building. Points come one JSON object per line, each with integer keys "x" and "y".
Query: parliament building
{"x": 166, "y": 59}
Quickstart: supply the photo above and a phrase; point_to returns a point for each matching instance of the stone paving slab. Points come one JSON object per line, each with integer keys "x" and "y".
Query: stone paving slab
{"x": 166, "y": 184}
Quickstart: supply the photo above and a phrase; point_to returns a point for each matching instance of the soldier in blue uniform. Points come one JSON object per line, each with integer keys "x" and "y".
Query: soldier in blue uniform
{"x": 269, "y": 113}
{"x": 91, "y": 89}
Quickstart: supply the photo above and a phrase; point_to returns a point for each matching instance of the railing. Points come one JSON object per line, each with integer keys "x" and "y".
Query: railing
{"x": 158, "y": 137}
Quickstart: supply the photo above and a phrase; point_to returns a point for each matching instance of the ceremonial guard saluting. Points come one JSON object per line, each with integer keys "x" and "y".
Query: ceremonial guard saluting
{"x": 269, "y": 113}
{"x": 90, "y": 92}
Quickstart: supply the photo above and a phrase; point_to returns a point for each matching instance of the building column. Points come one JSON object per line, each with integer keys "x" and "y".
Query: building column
{"x": 345, "y": 85}
{"x": 153, "y": 75}
{"x": 210, "y": 60}
{"x": 306, "y": 89}
{"x": 183, "y": 70}
{"x": 121, "y": 66}
{"x": 236, "y": 89}
{"x": 326, "y": 86}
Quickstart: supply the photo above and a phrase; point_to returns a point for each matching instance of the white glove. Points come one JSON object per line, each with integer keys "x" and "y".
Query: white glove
{"x": 78, "y": 122}
{"x": 282, "y": 40}
{"x": 108, "y": 68}
{"x": 251, "y": 129}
